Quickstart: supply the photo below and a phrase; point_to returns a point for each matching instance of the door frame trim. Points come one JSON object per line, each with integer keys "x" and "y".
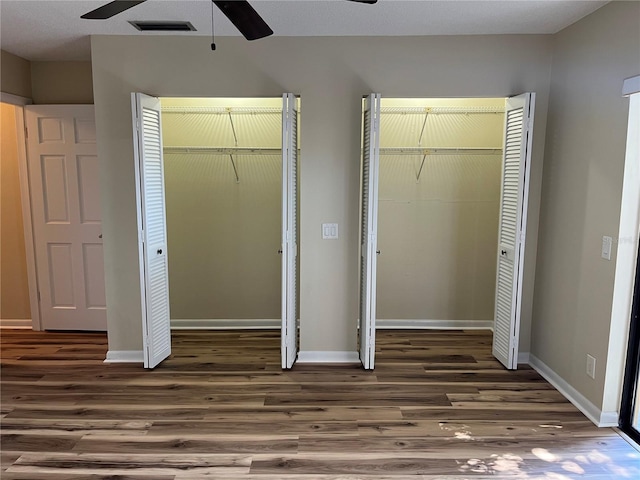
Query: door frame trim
{"x": 27, "y": 221}
{"x": 25, "y": 198}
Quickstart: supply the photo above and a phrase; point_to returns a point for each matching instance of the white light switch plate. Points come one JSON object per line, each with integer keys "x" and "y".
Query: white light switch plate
{"x": 606, "y": 247}
{"x": 329, "y": 231}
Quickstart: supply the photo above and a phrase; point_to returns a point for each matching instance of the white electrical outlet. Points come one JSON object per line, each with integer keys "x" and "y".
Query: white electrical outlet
{"x": 591, "y": 366}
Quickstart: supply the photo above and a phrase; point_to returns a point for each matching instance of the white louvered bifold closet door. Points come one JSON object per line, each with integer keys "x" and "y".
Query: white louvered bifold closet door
{"x": 289, "y": 331}
{"x": 152, "y": 229}
{"x": 369, "y": 229}
{"x": 512, "y": 227}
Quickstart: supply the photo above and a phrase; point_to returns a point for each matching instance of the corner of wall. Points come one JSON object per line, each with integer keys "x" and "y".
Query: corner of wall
{"x": 581, "y": 192}
{"x": 62, "y": 83}
{"x": 15, "y": 74}
{"x": 599, "y": 417}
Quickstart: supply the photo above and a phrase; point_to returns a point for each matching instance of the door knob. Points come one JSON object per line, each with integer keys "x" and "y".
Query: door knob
{"x": 378, "y": 252}
{"x": 159, "y": 251}
{"x": 100, "y": 236}
{"x": 503, "y": 253}
{"x": 280, "y": 251}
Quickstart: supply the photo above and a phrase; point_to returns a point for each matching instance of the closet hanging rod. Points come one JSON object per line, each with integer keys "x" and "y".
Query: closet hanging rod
{"x": 441, "y": 110}
{"x": 439, "y": 151}
{"x": 223, "y": 150}
{"x": 224, "y": 110}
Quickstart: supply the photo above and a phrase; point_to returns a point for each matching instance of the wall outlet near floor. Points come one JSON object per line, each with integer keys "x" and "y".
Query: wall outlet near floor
{"x": 591, "y": 366}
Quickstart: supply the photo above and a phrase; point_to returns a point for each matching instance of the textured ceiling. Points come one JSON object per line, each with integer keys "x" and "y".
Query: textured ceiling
{"x": 53, "y": 30}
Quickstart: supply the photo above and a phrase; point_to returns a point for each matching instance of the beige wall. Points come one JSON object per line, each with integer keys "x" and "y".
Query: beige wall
{"x": 331, "y": 75}
{"x": 223, "y": 235}
{"x": 15, "y": 76}
{"x": 438, "y": 236}
{"x": 61, "y": 83}
{"x": 583, "y": 171}
{"x": 47, "y": 82}
{"x": 14, "y": 288}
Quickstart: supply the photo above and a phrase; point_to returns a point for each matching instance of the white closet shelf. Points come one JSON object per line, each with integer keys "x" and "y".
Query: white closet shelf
{"x": 441, "y": 110}
{"x": 223, "y": 150}
{"x": 439, "y": 151}
{"x": 224, "y": 110}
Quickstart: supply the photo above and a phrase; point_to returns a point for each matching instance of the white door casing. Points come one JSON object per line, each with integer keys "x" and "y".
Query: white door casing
{"x": 289, "y": 330}
{"x": 516, "y": 166}
{"x": 64, "y": 182}
{"x": 152, "y": 231}
{"x": 369, "y": 229}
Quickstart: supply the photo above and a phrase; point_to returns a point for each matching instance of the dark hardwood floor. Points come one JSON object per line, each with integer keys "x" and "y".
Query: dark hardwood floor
{"x": 437, "y": 406}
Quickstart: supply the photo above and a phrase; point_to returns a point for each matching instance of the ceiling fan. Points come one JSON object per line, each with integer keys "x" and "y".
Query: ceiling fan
{"x": 239, "y": 12}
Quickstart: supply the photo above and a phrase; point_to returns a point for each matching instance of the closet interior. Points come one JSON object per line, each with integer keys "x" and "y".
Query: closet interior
{"x": 223, "y": 190}
{"x": 440, "y": 176}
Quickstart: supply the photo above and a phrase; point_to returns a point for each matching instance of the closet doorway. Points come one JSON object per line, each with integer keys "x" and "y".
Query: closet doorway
{"x": 445, "y": 187}
{"x": 217, "y": 216}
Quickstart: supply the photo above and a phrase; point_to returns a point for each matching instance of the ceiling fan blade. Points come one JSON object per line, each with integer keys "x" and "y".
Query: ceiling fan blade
{"x": 370, "y": 2}
{"x": 245, "y": 18}
{"x": 111, "y": 9}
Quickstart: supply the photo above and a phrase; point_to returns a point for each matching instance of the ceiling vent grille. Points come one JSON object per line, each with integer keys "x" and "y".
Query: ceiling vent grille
{"x": 163, "y": 26}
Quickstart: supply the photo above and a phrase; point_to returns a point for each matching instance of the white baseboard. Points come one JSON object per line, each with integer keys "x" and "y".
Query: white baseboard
{"x": 315, "y": 356}
{"x": 225, "y": 324}
{"x": 523, "y": 357}
{"x": 592, "y": 412}
{"x": 434, "y": 324}
{"x": 124, "y": 356}
{"x": 16, "y": 323}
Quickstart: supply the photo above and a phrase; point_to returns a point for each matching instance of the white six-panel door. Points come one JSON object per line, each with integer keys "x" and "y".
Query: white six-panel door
{"x": 65, "y": 202}
{"x": 516, "y": 166}
{"x": 289, "y": 330}
{"x": 369, "y": 229}
{"x": 152, "y": 232}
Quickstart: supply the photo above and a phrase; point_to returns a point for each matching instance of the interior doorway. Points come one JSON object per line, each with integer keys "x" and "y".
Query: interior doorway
{"x": 15, "y": 308}
{"x": 66, "y": 218}
{"x": 218, "y": 186}
{"x": 444, "y": 216}
{"x": 55, "y": 266}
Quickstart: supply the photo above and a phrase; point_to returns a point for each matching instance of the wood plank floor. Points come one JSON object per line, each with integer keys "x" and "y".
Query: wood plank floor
{"x": 437, "y": 406}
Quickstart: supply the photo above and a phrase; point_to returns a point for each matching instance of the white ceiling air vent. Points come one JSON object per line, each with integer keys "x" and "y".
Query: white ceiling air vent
{"x": 162, "y": 26}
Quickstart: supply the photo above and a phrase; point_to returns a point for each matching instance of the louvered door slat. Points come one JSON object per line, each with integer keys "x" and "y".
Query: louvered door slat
{"x": 152, "y": 225}
{"x": 369, "y": 229}
{"x": 289, "y": 330}
{"x": 513, "y": 215}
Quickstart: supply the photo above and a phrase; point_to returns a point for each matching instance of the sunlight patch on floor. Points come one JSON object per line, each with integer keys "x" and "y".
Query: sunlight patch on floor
{"x": 514, "y": 465}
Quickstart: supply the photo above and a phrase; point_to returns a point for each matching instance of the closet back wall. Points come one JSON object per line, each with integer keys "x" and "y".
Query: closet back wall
{"x": 438, "y": 236}
{"x": 223, "y": 234}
